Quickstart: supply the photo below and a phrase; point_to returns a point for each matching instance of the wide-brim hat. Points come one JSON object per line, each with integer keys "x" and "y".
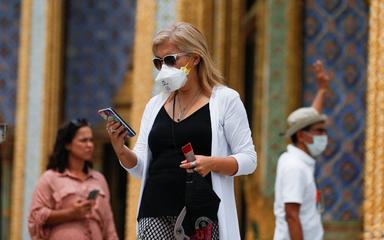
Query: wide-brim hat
{"x": 301, "y": 118}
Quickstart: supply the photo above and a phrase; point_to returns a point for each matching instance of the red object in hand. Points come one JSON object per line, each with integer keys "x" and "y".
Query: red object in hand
{"x": 188, "y": 152}
{"x": 189, "y": 155}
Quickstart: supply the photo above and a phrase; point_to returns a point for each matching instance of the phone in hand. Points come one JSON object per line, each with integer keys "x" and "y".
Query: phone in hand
{"x": 93, "y": 194}
{"x": 110, "y": 114}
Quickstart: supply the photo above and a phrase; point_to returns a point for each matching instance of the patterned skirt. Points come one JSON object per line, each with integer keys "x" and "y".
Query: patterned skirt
{"x": 151, "y": 228}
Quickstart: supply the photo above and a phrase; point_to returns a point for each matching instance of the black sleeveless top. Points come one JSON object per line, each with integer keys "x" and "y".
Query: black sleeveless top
{"x": 164, "y": 190}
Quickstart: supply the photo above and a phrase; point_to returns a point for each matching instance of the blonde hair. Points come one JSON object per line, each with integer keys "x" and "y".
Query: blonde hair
{"x": 189, "y": 39}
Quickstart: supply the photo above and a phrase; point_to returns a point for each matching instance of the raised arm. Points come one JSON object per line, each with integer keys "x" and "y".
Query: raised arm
{"x": 322, "y": 79}
{"x": 118, "y": 134}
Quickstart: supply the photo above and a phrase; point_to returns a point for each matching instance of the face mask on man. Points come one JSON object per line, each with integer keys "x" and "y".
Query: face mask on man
{"x": 318, "y": 145}
{"x": 171, "y": 79}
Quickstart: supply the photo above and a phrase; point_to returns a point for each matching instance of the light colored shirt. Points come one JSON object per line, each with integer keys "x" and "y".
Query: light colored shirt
{"x": 61, "y": 190}
{"x": 295, "y": 183}
{"x": 231, "y": 135}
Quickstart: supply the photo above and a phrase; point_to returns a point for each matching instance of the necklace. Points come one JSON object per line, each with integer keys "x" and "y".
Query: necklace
{"x": 183, "y": 110}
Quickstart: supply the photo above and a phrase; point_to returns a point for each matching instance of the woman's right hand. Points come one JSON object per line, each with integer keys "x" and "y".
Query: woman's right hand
{"x": 80, "y": 209}
{"x": 77, "y": 211}
{"x": 117, "y": 133}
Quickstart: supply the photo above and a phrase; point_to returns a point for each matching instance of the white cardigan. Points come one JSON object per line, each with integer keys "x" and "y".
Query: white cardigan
{"x": 231, "y": 135}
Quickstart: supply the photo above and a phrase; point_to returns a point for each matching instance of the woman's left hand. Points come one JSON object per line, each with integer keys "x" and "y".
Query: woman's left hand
{"x": 202, "y": 165}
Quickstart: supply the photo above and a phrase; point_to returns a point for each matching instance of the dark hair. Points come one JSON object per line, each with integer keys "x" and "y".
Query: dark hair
{"x": 294, "y": 136}
{"x": 58, "y": 160}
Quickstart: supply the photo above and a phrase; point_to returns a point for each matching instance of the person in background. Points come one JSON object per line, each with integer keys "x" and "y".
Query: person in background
{"x": 193, "y": 107}
{"x": 297, "y": 200}
{"x": 63, "y": 206}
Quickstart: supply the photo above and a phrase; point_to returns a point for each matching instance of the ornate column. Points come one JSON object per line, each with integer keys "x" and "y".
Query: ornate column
{"x": 277, "y": 76}
{"x": 374, "y": 155}
{"x": 21, "y": 120}
{"x": 141, "y": 92}
{"x": 53, "y": 74}
{"x": 37, "y": 102}
{"x": 274, "y": 71}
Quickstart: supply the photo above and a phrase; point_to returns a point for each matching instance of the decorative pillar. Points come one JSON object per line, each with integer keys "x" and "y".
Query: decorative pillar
{"x": 374, "y": 154}
{"x": 277, "y": 76}
{"x": 37, "y": 102}
{"x": 141, "y": 92}
{"x": 21, "y": 120}
{"x": 53, "y": 76}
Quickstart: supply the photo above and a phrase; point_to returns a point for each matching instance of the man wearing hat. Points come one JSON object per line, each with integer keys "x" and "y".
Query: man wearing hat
{"x": 296, "y": 210}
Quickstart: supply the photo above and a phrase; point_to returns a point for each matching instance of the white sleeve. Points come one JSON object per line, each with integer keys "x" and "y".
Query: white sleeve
{"x": 293, "y": 185}
{"x": 238, "y": 136}
{"x": 141, "y": 145}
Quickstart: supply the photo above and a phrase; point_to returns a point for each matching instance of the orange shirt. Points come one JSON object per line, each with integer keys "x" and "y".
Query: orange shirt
{"x": 61, "y": 190}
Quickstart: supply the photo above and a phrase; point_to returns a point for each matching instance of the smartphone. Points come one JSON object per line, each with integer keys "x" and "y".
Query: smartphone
{"x": 93, "y": 194}
{"x": 110, "y": 114}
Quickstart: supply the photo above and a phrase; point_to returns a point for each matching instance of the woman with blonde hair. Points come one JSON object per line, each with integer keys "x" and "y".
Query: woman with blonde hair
{"x": 193, "y": 107}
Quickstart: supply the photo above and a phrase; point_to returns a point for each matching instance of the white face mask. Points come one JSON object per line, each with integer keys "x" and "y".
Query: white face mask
{"x": 318, "y": 146}
{"x": 171, "y": 79}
